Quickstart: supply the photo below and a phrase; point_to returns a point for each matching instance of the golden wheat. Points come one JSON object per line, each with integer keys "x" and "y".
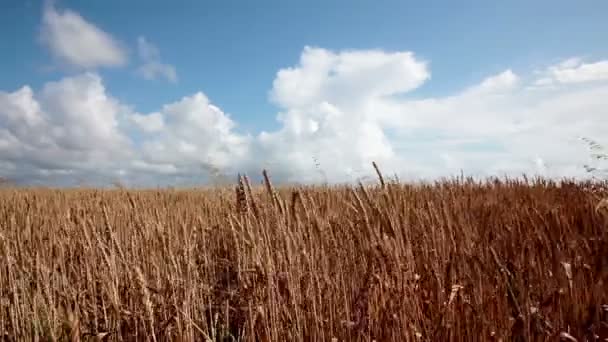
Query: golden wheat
{"x": 457, "y": 260}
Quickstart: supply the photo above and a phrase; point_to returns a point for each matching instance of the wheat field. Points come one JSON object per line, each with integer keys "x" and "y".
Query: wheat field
{"x": 454, "y": 260}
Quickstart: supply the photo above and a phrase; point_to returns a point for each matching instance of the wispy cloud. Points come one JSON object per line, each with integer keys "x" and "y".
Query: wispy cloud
{"x": 152, "y": 68}
{"x": 573, "y": 70}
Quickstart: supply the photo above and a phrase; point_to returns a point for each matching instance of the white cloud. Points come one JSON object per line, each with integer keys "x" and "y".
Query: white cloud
{"x": 574, "y": 71}
{"x": 505, "y": 81}
{"x": 69, "y": 127}
{"x": 328, "y": 111}
{"x": 76, "y": 42}
{"x": 337, "y": 109}
{"x": 347, "y": 77}
{"x": 149, "y": 123}
{"x": 152, "y": 68}
{"x": 194, "y": 133}
{"x": 72, "y": 130}
{"x": 500, "y": 125}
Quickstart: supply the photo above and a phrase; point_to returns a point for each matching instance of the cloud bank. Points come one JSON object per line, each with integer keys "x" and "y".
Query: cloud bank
{"x": 338, "y": 112}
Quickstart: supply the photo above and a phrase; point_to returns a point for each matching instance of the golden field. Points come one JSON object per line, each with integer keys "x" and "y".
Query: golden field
{"x": 455, "y": 260}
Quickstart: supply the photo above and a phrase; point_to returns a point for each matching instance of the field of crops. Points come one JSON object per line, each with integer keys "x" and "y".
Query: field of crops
{"x": 456, "y": 260}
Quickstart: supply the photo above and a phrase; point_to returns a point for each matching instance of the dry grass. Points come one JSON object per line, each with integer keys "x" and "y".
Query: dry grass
{"x": 452, "y": 261}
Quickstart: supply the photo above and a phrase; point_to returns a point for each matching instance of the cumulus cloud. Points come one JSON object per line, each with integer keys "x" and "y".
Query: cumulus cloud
{"x": 73, "y": 130}
{"x": 346, "y": 77}
{"x": 69, "y": 128}
{"x": 195, "y": 133}
{"x": 345, "y": 117}
{"x": 78, "y": 43}
{"x": 328, "y": 114}
{"x": 339, "y": 111}
{"x": 152, "y": 67}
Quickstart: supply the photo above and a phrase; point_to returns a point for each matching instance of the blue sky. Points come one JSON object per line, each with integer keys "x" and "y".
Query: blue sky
{"x": 231, "y": 51}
